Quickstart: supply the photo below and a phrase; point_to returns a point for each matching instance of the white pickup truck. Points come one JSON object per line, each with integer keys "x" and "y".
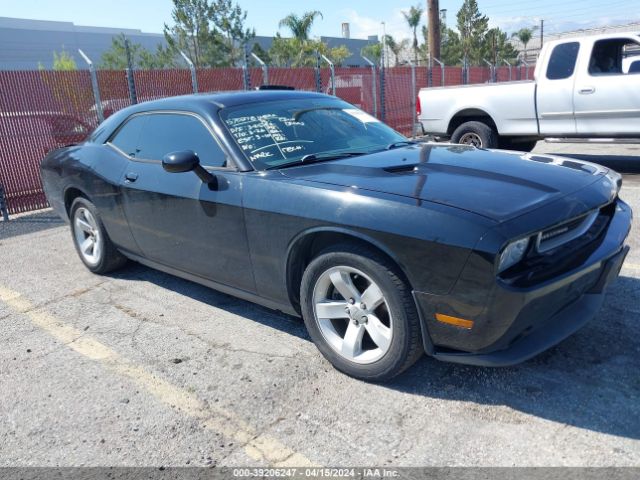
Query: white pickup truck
{"x": 583, "y": 87}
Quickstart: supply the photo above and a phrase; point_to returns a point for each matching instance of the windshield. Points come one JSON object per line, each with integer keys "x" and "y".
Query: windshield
{"x": 274, "y": 134}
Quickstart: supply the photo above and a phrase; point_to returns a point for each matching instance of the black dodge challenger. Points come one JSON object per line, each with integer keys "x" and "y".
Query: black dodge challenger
{"x": 386, "y": 247}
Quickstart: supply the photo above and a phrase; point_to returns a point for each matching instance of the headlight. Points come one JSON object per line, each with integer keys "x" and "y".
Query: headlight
{"x": 513, "y": 253}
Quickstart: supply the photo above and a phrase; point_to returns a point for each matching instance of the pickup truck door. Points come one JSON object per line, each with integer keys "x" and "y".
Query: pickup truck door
{"x": 554, "y": 94}
{"x": 607, "y": 93}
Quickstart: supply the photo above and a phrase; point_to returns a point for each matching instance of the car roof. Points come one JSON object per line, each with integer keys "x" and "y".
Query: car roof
{"x": 223, "y": 99}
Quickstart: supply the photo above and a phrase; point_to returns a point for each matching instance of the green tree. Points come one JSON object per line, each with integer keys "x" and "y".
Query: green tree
{"x": 373, "y": 52}
{"x": 396, "y": 47}
{"x": 63, "y": 61}
{"x": 498, "y": 47}
{"x": 230, "y": 19}
{"x": 472, "y": 27}
{"x": 284, "y": 51}
{"x": 300, "y": 26}
{"x": 116, "y": 57}
{"x": 451, "y": 48}
{"x": 413, "y": 18}
{"x": 524, "y": 35}
{"x": 338, "y": 55}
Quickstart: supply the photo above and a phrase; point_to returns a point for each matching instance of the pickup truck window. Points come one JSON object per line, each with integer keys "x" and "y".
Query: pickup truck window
{"x": 562, "y": 62}
{"x": 614, "y": 56}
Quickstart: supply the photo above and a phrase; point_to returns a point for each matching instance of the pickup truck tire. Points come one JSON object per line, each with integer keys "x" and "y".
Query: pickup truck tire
{"x": 507, "y": 143}
{"x": 474, "y": 133}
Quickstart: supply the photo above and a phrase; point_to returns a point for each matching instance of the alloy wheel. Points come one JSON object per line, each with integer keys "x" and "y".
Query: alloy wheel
{"x": 352, "y": 314}
{"x": 87, "y": 236}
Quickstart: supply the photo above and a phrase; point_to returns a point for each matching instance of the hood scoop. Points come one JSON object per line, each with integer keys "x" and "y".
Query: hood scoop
{"x": 400, "y": 169}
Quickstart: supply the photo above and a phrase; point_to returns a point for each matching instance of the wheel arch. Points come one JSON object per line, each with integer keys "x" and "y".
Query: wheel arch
{"x": 70, "y": 194}
{"x": 470, "y": 115}
{"x": 306, "y": 246}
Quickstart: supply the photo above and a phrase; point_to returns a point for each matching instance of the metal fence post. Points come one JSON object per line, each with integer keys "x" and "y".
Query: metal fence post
{"x": 3, "y": 205}
{"x": 413, "y": 99}
{"x": 526, "y": 68}
{"x": 194, "y": 77}
{"x": 332, "y": 69}
{"x": 94, "y": 86}
{"x": 129, "y": 71}
{"x": 441, "y": 70}
{"x": 492, "y": 78}
{"x": 509, "y": 65}
{"x": 374, "y": 89}
{"x": 318, "y": 74}
{"x": 429, "y": 72}
{"x": 246, "y": 79}
{"x": 265, "y": 69}
{"x": 383, "y": 109}
{"x": 465, "y": 71}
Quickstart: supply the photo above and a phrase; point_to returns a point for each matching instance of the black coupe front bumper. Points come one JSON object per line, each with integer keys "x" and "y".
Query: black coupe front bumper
{"x": 516, "y": 324}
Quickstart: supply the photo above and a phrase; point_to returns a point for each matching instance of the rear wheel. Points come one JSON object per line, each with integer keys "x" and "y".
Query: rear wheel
{"x": 360, "y": 313}
{"x": 92, "y": 243}
{"x": 477, "y": 134}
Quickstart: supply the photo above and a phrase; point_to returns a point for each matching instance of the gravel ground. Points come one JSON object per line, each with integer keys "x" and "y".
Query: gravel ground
{"x": 141, "y": 368}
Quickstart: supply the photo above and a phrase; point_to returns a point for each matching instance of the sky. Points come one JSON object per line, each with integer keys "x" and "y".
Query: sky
{"x": 364, "y": 16}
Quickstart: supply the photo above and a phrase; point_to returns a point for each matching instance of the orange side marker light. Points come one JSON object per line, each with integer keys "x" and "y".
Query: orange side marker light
{"x": 458, "y": 322}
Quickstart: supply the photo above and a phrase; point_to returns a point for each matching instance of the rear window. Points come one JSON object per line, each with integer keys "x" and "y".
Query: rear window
{"x": 563, "y": 61}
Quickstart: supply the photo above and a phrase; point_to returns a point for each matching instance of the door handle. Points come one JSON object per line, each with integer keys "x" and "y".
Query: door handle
{"x": 130, "y": 177}
{"x": 587, "y": 90}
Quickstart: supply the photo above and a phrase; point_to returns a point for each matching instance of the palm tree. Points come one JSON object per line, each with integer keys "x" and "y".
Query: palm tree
{"x": 524, "y": 35}
{"x": 300, "y": 26}
{"x": 413, "y": 18}
{"x": 396, "y": 47}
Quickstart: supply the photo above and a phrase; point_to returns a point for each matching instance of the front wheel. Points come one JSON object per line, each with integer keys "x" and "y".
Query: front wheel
{"x": 360, "y": 313}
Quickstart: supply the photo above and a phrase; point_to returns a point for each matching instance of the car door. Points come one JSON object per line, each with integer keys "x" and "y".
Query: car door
{"x": 175, "y": 218}
{"x": 607, "y": 95}
{"x": 554, "y": 95}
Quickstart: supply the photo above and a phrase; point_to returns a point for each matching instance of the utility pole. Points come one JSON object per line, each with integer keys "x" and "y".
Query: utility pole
{"x": 434, "y": 28}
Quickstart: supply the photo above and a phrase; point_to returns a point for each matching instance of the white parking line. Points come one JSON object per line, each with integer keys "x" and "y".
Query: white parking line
{"x": 258, "y": 446}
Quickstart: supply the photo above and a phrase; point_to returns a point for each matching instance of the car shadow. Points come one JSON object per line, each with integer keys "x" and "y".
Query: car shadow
{"x": 589, "y": 381}
{"x": 625, "y": 164}
{"x": 32, "y": 223}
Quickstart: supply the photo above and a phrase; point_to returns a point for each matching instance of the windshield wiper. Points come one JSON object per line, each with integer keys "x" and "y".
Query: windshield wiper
{"x": 401, "y": 143}
{"x": 318, "y": 157}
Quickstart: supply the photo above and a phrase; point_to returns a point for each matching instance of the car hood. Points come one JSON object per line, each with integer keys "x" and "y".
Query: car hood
{"x": 499, "y": 185}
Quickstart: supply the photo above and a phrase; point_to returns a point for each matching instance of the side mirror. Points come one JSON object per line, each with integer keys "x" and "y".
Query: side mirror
{"x": 180, "y": 162}
{"x": 186, "y": 161}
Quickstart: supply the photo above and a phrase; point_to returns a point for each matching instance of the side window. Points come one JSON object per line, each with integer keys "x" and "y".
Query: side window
{"x": 562, "y": 62}
{"x": 126, "y": 138}
{"x": 171, "y": 132}
{"x": 615, "y": 56}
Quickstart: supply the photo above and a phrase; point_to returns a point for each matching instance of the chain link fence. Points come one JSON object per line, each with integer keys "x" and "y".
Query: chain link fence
{"x": 43, "y": 110}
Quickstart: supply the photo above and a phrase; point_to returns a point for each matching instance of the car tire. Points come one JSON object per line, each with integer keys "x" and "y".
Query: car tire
{"x": 507, "y": 143}
{"x": 478, "y": 134}
{"x": 91, "y": 240}
{"x": 391, "y": 318}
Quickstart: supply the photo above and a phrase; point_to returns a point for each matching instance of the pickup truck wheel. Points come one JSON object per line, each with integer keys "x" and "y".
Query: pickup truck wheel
{"x": 478, "y": 134}
{"x": 360, "y": 313}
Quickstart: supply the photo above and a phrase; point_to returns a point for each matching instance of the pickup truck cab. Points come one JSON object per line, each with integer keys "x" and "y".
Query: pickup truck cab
{"x": 583, "y": 87}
